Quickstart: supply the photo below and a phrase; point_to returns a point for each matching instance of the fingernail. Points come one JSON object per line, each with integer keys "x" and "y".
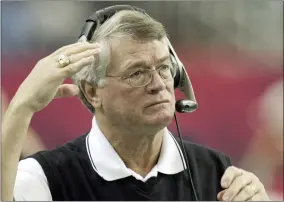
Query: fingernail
{"x": 226, "y": 197}
{"x": 97, "y": 50}
{"x": 225, "y": 183}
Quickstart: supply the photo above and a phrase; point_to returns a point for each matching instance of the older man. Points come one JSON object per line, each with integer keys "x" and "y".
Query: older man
{"x": 125, "y": 77}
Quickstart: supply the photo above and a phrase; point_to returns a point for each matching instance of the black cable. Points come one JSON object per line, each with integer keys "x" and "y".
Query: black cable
{"x": 186, "y": 160}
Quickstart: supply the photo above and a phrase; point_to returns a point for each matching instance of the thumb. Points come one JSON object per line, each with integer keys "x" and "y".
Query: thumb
{"x": 67, "y": 90}
{"x": 220, "y": 195}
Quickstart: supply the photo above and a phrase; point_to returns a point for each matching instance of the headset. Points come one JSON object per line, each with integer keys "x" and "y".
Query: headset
{"x": 181, "y": 79}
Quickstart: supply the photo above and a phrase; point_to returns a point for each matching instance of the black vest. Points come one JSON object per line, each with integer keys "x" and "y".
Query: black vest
{"x": 71, "y": 177}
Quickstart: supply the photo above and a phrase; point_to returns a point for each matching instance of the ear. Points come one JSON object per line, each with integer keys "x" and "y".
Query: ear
{"x": 91, "y": 94}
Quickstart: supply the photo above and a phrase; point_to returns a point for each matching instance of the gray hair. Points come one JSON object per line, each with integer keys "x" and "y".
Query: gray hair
{"x": 124, "y": 24}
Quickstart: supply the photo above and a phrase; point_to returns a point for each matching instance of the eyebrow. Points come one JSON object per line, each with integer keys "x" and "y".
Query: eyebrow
{"x": 131, "y": 65}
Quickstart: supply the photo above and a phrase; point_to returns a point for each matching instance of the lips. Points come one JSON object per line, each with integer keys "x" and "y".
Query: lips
{"x": 156, "y": 103}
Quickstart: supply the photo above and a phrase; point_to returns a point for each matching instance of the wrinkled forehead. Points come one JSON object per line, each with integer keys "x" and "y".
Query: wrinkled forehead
{"x": 125, "y": 51}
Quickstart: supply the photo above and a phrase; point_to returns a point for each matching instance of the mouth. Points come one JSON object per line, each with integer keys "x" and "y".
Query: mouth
{"x": 157, "y": 103}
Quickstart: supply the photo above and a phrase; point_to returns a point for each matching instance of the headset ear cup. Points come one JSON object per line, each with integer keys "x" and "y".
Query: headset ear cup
{"x": 175, "y": 71}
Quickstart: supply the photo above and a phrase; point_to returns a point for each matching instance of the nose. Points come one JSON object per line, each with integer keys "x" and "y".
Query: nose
{"x": 157, "y": 83}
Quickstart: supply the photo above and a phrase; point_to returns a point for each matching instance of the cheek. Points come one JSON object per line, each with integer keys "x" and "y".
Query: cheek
{"x": 171, "y": 92}
{"x": 119, "y": 100}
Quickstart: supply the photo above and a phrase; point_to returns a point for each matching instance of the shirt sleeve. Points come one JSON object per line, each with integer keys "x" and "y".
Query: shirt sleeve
{"x": 31, "y": 183}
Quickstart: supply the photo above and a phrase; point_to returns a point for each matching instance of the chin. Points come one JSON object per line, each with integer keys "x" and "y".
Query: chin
{"x": 161, "y": 118}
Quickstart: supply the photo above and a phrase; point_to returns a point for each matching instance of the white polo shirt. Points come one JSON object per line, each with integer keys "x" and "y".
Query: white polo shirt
{"x": 32, "y": 185}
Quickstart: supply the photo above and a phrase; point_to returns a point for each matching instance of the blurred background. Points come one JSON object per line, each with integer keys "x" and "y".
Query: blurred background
{"x": 233, "y": 52}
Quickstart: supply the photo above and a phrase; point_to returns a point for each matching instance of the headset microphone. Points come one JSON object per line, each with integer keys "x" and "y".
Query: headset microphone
{"x": 185, "y": 106}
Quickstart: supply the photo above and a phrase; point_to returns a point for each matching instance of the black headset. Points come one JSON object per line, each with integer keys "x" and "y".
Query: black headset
{"x": 181, "y": 79}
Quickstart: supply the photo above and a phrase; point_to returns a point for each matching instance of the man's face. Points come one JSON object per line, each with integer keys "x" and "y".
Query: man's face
{"x": 152, "y": 105}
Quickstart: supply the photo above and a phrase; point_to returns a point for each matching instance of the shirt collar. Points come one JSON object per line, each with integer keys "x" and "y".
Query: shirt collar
{"x": 110, "y": 166}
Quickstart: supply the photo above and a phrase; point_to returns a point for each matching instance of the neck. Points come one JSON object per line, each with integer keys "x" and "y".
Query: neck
{"x": 139, "y": 150}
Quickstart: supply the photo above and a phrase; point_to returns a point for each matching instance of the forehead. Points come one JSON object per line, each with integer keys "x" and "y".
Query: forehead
{"x": 124, "y": 51}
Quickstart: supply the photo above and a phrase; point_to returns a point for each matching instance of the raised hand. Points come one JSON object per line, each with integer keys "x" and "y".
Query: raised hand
{"x": 45, "y": 80}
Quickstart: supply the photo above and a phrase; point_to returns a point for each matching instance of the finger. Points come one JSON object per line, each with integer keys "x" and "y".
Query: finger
{"x": 81, "y": 48}
{"x": 246, "y": 193}
{"x": 75, "y": 48}
{"x": 86, "y": 53}
{"x": 230, "y": 174}
{"x": 63, "y": 48}
{"x": 77, "y": 66}
{"x": 67, "y": 90}
{"x": 256, "y": 197}
{"x": 238, "y": 183}
{"x": 220, "y": 195}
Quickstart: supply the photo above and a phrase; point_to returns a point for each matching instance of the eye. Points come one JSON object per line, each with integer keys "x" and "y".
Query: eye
{"x": 164, "y": 67}
{"x": 165, "y": 71}
{"x": 136, "y": 74}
